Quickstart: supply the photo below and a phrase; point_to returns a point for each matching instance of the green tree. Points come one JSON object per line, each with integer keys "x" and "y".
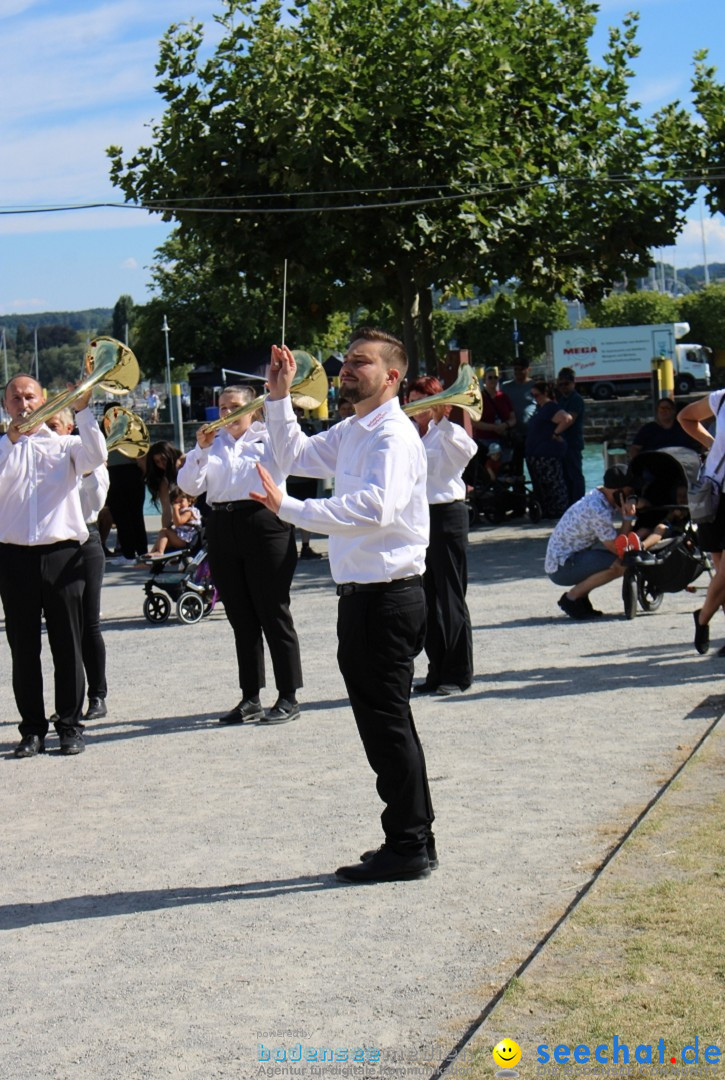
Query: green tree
{"x": 487, "y": 329}
{"x": 634, "y": 309}
{"x": 705, "y": 312}
{"x": 384, "y": 149}
{"x": 122, "y": 319}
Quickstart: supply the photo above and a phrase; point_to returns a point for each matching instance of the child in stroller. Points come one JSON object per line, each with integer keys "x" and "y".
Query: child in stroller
{"x": 495, "y": 492}
{"x": 181, "y": 576}
{"x": 185, "y": 524}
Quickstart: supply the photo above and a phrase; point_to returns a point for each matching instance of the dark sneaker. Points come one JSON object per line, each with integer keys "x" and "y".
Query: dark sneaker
{"x": 425, "y": 688}
{"x": 573, "y": 608}
{"x": 385, "y": 865}
{"x": 587, "y": 606}
{"x": 308, "y": 553}
{"x": 430, "y": 847}
{"x": 29, "y": 746}
{"x": 243, "y": 713}
{"x": 281, "y": 712}
{"x": 96, "y": 709}
{"x": 702, "y": 634}
{"x": 71, "y": 740}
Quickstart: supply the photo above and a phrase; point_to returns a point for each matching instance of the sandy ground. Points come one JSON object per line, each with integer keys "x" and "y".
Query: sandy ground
{"x": 168, "y": 901}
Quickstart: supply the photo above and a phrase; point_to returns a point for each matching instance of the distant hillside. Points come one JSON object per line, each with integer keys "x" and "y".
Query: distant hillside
{"x": 90, "y": 319}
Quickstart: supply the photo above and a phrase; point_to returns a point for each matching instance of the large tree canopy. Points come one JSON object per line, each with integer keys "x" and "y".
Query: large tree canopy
{"x": 386, "y": 148}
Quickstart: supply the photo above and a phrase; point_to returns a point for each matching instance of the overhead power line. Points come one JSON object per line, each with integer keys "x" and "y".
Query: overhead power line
{"x": 206, "y": 204}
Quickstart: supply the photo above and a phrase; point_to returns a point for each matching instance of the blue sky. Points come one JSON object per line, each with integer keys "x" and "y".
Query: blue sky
{"x": 78, "y": 76}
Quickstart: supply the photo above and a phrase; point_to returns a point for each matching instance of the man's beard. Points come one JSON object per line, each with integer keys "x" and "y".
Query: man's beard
{"x": 352, "y": 394}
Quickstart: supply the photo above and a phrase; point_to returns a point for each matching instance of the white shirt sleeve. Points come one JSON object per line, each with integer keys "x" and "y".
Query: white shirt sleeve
{"x": 191, "y": 477}
{"x": 296, "y": 453}
{"x": 91, "y": 451}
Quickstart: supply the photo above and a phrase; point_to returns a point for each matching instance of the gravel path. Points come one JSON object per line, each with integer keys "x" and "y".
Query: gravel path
{"x": 169, "y": 905}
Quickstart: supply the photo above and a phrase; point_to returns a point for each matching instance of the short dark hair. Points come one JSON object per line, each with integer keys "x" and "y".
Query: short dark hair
{"x": 567, "y": 375}
{"x": 393, "y": 353}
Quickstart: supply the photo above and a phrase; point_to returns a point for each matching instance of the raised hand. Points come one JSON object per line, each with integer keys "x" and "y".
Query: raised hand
{"x": 282, "y": 368}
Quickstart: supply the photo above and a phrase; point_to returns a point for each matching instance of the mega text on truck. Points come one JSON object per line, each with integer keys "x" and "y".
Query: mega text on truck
{"x": 613, "y": 360}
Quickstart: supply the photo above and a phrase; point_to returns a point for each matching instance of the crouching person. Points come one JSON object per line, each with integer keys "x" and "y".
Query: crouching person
{"x": 585, "y": 549}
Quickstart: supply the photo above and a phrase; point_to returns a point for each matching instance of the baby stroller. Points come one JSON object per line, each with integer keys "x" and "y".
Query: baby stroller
{"x": 497, "y": 500}
{"x": 183, "y": 578}
{"x": 660, "y": 480}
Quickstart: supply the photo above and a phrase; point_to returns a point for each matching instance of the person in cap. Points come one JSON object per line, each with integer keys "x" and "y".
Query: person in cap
{"x": 586, "y": 547}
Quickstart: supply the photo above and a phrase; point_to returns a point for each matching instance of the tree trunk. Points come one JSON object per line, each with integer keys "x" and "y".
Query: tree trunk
{"x": 409, "y": 295}
{"x": 425, "y": 306}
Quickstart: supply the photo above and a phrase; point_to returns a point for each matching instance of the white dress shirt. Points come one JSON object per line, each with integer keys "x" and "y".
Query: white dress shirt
{"x": 93, "y": 491}
{"x": 378, "y": 518}
{"x": 39, "y": 490}
{"x": 448, "y": 449}
{"x": 227, "y": 470}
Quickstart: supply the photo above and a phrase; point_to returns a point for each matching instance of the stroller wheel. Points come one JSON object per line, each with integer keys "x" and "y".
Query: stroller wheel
{"x": 157, "y": 607}
{"x": 629, "y": 594}
{"x": 472, "y": 515}
{"x": 649, "y": 599}
{"x": 189, "y": 607}
{"x": 534, "y": 510}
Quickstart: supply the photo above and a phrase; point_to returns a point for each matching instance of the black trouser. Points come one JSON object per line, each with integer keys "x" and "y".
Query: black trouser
{"x": 125, "y": 500}
{"x": 252, "y": 555}
{"x": 47, "y": 579}
{"x": 448, "y": 637}
{"x": 94, "y": 649}
{"x": 574, "y": 474}
{"x": 379, "y": 635}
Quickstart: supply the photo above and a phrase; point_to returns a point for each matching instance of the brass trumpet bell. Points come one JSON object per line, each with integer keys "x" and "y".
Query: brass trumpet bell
{"x": 465, "y": 392}
{"x": 125, "y": 432}
{"x": 309, "y": 390}
{"x": 110, "y": 364}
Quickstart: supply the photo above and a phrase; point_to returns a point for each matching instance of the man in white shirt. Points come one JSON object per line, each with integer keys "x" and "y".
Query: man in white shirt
{"x": 41, "y": 566}
{"x": 378, "y": 525}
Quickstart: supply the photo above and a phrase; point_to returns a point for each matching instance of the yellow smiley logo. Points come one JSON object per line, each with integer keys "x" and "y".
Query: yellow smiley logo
{"x": 507, "y": 1053}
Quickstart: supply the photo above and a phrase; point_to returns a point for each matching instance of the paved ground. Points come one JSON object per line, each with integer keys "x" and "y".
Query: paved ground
{"x": 168, "y": 901}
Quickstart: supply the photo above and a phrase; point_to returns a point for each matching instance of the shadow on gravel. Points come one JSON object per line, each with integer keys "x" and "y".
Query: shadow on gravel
{"x": 106, "y": 906}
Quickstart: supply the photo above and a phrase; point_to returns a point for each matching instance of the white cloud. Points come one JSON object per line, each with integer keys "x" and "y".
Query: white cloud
{"x": 689, "y": 250}
{"x": 130, "y": 264}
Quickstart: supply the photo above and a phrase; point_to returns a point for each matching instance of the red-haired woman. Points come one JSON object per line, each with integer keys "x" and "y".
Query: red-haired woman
{"x": 448, "y": 639}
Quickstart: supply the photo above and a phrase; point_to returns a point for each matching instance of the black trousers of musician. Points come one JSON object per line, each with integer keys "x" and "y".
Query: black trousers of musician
{"x": 448, "y": 637}
{"x": 47, "y": 579}
{"x": 379, "y": 635}
{"x": 93, "y": 645}
{"x": 252, "y": 556}
{"x": 125, "y": 500}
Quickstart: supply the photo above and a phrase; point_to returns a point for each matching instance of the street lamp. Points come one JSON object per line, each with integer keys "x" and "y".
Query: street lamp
{"x": 165, "y": 331}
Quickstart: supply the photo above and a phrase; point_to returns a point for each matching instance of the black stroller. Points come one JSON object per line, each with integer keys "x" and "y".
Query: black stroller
{"x": 661, "y": 480}
{"x": 182, "y": 578}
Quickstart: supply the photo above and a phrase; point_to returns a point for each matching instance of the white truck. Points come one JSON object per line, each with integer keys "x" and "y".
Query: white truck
{"x": 611, "y": 361}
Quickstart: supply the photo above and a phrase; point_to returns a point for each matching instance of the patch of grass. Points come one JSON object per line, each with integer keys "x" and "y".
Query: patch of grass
{"x": 643, "y": 956}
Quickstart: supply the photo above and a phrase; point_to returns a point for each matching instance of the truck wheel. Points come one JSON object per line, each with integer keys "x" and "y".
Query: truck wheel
{"x": 684, "y": 384}
{"x": 603, "y": 391}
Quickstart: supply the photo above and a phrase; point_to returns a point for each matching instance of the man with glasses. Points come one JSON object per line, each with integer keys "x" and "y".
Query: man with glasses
{"x": 573, "y": 403}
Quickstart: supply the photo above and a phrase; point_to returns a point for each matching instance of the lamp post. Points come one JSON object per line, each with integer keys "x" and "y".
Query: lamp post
{"x": 165, "y": 331}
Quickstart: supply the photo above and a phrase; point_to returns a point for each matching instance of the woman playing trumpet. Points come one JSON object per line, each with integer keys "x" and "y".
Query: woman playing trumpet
{"x": 252, "y": 556}
{"x": 448, "y": 638}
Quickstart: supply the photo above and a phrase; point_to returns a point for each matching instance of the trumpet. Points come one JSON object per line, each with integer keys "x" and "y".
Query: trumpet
{"x": 465, "y": 392}
{"x": 110, "y": 364}
{"x": 125, "y": 432}
{"x": 309, "y": 390}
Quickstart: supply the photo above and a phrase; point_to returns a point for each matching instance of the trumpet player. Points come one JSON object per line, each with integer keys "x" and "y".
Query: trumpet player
{"x": 41, "y": 566}
{"x": 252, "y": 556}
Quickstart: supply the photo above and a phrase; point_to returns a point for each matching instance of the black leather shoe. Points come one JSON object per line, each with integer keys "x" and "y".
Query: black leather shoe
{"x": 96, "y": 709}
{"x": 425, "y": 688}
{"x": 71, "y": 740}
{"x": 385, "y": 865}
{"x": 430, "y": 847}
{"x": 29, "y": 746}
{"x": 243, "y": 713}
{"x": 281, "y": 712}
{"x": 702, "y": 634}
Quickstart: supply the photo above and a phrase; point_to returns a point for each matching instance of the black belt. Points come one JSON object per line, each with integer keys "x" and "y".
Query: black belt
{"x": 238, "y": 505}
{"x": 351, "y": 587}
